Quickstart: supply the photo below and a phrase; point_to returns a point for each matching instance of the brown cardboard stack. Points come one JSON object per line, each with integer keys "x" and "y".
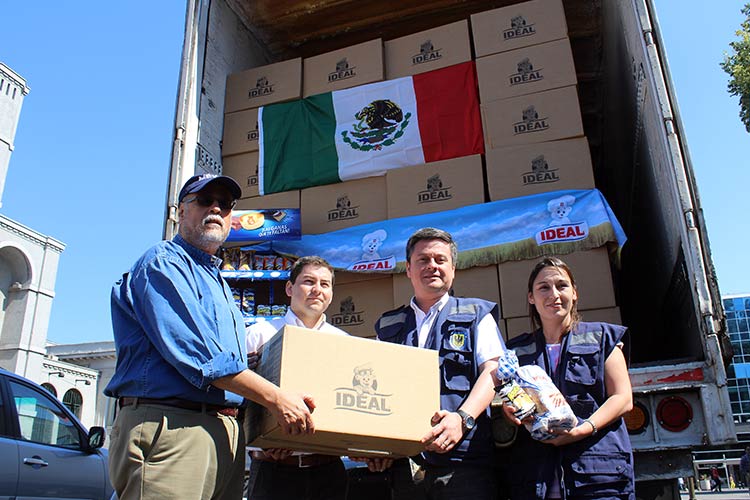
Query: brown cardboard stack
{"x": 358, "y": 304}
{"x": 593, "y": 280}
{"x": 344, "y": 68}
{"x": 363, "y": 405}
{"x": 435, "y": 187}
{"x": 345, "y": 204}
{"x": 427, "y": 50}
{"x": 246, "y": 92}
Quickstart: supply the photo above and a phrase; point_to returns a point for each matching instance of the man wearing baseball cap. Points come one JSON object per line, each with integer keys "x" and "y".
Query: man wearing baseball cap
{"x": 181, "y": 371}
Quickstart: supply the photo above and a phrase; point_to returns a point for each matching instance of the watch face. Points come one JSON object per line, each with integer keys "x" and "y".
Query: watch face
{"x": 469, "y": 423}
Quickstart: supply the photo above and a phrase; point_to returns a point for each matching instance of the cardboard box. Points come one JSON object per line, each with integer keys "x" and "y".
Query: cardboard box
{"x": 435, "y": 187}
{"x": 590, "y": 269}
{"x": 525, "y": 71}
{"x": 343, "y": 68}
{"x": 286, "y": 199}
{"x": 476, "y": 282}
{"x": 518, "y": 25}
{"x": 244, "y": 169}
{"x": 427, "y": 50}
{"x": 263, "y": 85}
{"x": 363, "y": 404}
{"x": 544, "y": 116}
{"x": 538, "y": 168}
{"x": 344, "y": 204}
{"x": 240, "y": 132}
{"x": 357, "y": 305}
{"x": 519, "y": 326}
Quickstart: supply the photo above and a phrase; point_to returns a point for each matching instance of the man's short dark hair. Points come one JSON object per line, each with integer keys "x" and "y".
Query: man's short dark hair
{"x": 308, "y": 260}
{"x": 431, "y": 233}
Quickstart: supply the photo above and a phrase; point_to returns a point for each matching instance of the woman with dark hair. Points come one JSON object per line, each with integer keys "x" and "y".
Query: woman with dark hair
{"x": 586, "y": 363}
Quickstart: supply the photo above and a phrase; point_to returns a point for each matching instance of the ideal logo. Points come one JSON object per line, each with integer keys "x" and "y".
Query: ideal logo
{"x": 348, "y": 315}
{"x": 343, "y": 71}
{"x": 530, "y": 122}
{"x": 262, "y": 88}
{"x": 363, "y": 395}
{"x": 427, "y": 53}
{"x": 518, "y": 28}
{"x": 371, "y": 259}
{"x": 435, "y": 191}
{"x": 561, "y": 228}
{"x": 526, "y": 73}
{"x": 344, "y": 210}
{"x": 252, "y": 135}
{"x": 540, "y": 172}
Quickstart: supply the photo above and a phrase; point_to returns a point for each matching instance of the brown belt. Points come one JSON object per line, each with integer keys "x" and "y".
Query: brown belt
{"x": 227, "y": 411}
{"x": 297, "y": 460}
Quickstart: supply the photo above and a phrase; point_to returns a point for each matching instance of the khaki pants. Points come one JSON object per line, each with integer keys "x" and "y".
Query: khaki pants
{"x": 159, "y": 452}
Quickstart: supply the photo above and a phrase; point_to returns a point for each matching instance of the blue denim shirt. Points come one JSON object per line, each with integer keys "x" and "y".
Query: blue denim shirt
{"x": 176, "y": 327}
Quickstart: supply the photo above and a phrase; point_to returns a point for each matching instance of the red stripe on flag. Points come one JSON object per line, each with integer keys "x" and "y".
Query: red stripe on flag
{"x": 450, "y": 123}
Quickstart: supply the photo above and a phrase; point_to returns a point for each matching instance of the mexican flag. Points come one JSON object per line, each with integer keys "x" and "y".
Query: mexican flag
{"x": 365, "y": 131}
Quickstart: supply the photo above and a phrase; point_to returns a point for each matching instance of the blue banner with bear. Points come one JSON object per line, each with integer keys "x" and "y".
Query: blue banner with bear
{"x": 554, "y": 223}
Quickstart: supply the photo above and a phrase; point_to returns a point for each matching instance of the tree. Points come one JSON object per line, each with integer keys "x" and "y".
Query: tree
{"x": 737, "y": 65}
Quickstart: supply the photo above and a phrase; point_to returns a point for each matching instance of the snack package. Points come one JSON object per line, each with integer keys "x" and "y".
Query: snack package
{"x": 244, "y": 260}
{"x": 229, "y": 259}
{"x": 552, "y": 410}
{"x": 278, "y": 310}
{"x": 248, "y": 301}
{"x": 258, "y": 262}
{"x": 263, "y": 310}
{"x": 237, "y": 296}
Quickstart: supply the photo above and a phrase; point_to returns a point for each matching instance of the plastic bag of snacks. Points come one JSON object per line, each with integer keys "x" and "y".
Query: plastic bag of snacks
{"x": 245, "y": 258}
{"x": 263, "y": 310}
{"x": 552, "y": 410}
{"x": 230, "y": 259}
{"x": 278, "y": 310}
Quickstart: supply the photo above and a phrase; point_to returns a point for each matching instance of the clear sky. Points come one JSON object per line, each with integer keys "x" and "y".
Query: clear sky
{"x": 94, "y": 138}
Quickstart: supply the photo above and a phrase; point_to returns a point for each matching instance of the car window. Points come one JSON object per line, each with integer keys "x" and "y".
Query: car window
{"x": 41, "y": 420}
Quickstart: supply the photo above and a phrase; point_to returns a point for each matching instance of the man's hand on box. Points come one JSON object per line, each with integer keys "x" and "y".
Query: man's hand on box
{"x": 293, "y": 412}
{"x": 374, "y": 464}
{"x": 252, "y": 360}
{"x": 277, "y": 453}
{"x": 447, "y": 430}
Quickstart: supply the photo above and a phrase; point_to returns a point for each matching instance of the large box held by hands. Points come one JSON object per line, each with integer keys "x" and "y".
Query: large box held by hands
{"x": 372, "y": 398}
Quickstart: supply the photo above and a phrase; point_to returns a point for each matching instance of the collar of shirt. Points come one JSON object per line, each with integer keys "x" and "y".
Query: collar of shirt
{"x": 291, "y": 319}
{"x": 426, "y": 320}
{"x": 196, "y": 253}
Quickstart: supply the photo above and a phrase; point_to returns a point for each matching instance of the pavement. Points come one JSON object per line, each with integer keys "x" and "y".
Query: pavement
{"x": 726, "y": 494}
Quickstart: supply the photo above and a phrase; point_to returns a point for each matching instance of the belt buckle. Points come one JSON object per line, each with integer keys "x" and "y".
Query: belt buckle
{"x": 301, "y": 462}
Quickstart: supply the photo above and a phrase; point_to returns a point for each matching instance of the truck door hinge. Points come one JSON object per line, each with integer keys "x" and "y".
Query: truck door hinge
{"x": 648, "y": 37}
{"x": 690, "y": 219}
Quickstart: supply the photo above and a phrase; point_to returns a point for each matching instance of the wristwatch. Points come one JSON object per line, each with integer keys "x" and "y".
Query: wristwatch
{"x": 467, "y": 420}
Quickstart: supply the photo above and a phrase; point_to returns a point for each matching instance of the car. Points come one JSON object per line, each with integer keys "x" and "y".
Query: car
{"x": 45, "y": 452}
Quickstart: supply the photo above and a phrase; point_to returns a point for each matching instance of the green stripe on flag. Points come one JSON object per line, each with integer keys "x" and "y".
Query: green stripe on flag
{"x": 298, "y": 144}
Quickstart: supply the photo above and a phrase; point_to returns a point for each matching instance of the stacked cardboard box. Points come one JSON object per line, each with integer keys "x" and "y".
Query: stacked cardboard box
{"x": 534, "y": 135}
{"x": 344, "y": 68}
{"x": 246, "y": 92}
{"x": 533, "y": 138}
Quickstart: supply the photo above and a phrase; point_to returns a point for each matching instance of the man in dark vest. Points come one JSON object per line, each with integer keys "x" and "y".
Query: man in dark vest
{"x": 459, "y": 448}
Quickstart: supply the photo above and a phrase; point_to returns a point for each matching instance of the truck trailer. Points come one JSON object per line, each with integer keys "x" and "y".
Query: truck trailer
{"x": 665, "y": 285}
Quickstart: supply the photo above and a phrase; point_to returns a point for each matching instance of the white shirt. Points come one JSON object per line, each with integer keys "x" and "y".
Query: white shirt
{"x": 262, "y": 331}
{"x": 489, "y": 345}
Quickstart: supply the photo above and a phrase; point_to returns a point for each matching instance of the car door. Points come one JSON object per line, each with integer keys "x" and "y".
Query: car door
{"x": 8, "y": 453}
{"x": 53, "y": 458}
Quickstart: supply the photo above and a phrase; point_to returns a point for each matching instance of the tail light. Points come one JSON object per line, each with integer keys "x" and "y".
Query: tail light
{"x": 674, "y": 413}
{"x": 636, "y": 420}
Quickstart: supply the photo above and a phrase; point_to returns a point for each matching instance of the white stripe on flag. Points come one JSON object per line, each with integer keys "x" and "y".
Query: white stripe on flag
{"x": 407, "y": 149}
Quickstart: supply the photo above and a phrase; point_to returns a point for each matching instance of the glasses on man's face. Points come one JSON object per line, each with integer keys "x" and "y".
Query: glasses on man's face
{"x": 208, "y": 201}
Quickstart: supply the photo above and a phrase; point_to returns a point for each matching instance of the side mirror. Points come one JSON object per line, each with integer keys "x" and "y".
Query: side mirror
{"x": 96, "y": 437}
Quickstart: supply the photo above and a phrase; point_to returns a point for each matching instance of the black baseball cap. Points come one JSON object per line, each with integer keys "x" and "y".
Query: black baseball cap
{"x": 198, "y": 182}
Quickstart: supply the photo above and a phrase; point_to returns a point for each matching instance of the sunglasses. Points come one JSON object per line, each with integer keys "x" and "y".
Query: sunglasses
{"x": 207, "y": 201}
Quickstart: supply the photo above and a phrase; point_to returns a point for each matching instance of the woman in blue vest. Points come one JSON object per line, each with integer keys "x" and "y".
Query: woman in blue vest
{"x": 586, "y": 362}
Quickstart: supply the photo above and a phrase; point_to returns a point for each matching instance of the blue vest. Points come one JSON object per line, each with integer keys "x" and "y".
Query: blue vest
{"x": 453, "y": 335}
{"x": 598, "y": 466}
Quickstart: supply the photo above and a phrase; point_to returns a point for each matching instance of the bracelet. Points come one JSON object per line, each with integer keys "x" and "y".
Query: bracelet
{"x": 593, "y": 426}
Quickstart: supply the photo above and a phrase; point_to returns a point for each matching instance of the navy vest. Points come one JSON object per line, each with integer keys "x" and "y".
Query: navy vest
{"x": 453, "y": 335}
{"x": 598, "y": 466}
